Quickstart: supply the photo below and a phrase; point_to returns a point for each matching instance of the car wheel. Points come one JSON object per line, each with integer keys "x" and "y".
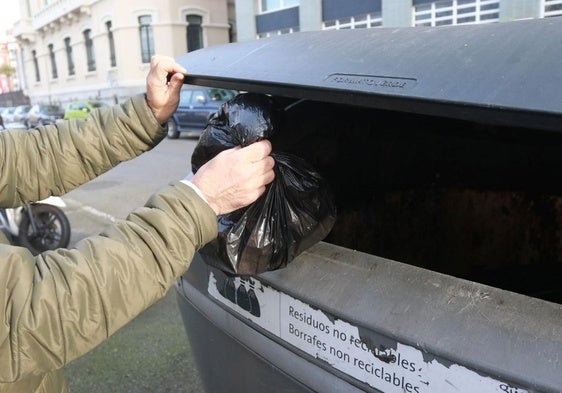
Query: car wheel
{"x": 173, "y": 132}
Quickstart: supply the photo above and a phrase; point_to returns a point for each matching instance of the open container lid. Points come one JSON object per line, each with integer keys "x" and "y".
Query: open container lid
{"x": 500, "y": 73}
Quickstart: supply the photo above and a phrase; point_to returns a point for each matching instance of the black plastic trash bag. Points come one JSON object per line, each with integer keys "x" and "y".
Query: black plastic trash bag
{"x": 296, "y": 211}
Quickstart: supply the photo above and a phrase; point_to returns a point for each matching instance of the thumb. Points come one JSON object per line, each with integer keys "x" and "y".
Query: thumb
{"x": 176, "y": 82}
{"x": 258, "y": 150}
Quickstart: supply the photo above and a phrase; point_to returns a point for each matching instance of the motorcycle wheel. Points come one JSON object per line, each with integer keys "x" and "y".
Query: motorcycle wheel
{"x": 53, "y": 229}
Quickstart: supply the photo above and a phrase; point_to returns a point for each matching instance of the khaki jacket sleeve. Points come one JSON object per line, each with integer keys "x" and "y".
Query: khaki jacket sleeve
{"x": 60, "y": 304}
{"x": 55, "y": 159}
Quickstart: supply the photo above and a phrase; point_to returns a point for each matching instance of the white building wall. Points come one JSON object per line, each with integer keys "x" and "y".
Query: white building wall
{"x": 519, "y": 9}
{"x": 310, "y": 15}
{"x": 246, "y": 11}
{"x": 52, "y": 23}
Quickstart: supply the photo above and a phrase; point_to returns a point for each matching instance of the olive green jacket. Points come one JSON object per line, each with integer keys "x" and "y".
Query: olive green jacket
{"x": 61, "y": 304}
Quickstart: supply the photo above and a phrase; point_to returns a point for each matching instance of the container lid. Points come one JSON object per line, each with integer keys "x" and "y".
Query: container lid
{"x": 500, "y": 73}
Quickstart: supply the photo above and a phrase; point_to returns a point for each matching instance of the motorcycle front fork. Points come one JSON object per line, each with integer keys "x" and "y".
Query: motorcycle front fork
{"x": 28, "y": 209}
{"x": 5, "y": 225}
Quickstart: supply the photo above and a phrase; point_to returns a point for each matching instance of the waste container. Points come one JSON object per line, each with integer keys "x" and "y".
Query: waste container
{"x": 443, "y": 270}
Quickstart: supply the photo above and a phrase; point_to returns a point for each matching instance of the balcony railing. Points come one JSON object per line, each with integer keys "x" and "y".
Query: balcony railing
{"x": 58, "y": 11}
{"x": 23, "y": 29}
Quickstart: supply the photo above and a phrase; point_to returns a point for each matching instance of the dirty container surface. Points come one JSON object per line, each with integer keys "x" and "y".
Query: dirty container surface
{"x": 442, "y": 271}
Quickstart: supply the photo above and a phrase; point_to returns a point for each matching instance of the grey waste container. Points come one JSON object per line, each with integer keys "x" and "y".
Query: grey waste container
{"x": 442, "y": 273}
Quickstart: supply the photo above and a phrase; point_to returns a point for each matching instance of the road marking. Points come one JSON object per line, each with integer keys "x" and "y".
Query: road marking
{"x": 89, "y": 209}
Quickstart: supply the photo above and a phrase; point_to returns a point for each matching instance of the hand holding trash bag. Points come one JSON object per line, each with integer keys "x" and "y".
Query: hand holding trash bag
{"x": 296, "y": 211}
{"x": 247, "y": 169}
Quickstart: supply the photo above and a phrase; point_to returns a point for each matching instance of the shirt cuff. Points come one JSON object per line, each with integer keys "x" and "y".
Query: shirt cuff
{"x": 188, "y": 183}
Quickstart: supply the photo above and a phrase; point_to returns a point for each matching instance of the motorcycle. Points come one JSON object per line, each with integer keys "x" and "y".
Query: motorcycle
{"x": 37, "y": 226}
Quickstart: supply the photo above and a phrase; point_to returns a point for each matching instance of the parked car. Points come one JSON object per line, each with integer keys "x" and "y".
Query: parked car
{"x": 20, "y": 114}
{"x": 197, "y": 105}
{"x": 8, "y": 114}
{"x": 81, "y": 109}
{"x": 40, "y": 115}
{"x": 443, "y": 147}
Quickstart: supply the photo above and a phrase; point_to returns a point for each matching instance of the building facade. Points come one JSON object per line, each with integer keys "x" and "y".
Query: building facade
{"x": 8, "y": 63}
{"x": 101, "y": 49}
{"x": 262, "y": 18}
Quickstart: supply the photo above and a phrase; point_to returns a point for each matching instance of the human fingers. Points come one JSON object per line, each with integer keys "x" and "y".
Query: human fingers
{"x": 257, "y": 150}
{"x": 269, "y": 173}
{"x": 263, "y": 170}
{"x": 165, "y": 74}
{"x": 253, "y": 187}
{"x": 163, "y": 85}
{"x": 252, "y": 166}
{"x": 255, "y": 163}
{"x": 176, "y": 81}
{"x": 162, "y": 67}
{"x": 235, "y": 177}
{"x": 252, "y": 184}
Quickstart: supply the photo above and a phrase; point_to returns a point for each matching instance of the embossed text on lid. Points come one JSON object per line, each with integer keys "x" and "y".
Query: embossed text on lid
{"x": 373, "y": 82}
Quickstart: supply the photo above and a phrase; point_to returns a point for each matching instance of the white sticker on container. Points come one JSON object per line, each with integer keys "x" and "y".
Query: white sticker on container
{"x": 339, "y": 344}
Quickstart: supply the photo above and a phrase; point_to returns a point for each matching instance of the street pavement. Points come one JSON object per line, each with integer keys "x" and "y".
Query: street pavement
{"x": 152, "y": 353}
{"x": 12, "y": 125}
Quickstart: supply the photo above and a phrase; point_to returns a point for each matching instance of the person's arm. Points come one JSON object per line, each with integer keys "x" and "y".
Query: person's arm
{"x": 61, "y": 304}
{"x": 55, "y": 159}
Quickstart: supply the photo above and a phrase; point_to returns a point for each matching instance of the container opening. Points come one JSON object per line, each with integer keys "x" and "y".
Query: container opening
{"x": 476, "y": 201}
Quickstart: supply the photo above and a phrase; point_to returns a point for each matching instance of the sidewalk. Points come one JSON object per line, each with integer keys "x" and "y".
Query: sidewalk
{"x": 150, "y": 354}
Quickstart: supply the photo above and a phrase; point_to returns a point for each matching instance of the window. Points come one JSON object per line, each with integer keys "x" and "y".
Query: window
{"x": 69, "y": 58}
{"x": 196, "y": 97}
{"x": 89, "y": 50}
{"x": 146, "y": 38}
{"x": 221, "y": 94}
{"x": 185, "y": 96}
{"x": 273, "y": 5}
{"x": 278, "y": 32}
{"x": 269, "y": 5}
{"x": 36, "y": 65}
{"x": 552, "y": 8}
{"x": 111, "y": 42}
{"x": 54, "y": 72}
{"x": 456, "y": 12}
{"x": 194, "y": 32}
{"x": 364, "y": 21}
